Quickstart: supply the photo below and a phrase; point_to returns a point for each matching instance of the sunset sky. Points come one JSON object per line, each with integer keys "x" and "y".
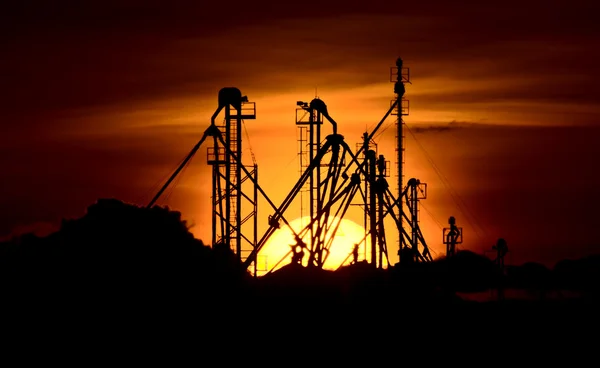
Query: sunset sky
{"x": 104, "y": 99}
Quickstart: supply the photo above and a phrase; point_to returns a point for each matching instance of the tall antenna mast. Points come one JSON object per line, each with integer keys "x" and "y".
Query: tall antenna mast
{"x": 399, "y": 75}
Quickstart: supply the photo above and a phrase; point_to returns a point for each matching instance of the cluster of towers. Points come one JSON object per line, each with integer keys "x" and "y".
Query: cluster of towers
{"x": 333, "y": 175}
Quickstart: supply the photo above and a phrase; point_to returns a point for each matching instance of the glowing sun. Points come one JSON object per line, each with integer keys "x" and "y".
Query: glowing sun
{"x": 277, "y": 250}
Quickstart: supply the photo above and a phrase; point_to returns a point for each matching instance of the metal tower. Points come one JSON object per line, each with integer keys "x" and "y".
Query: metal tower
{"x": 228, "y": 216}
{"x": 309, "y": 120}
{"x": 380, "y": 187}
{"x": 230, "y": 176}
{"x": 400, "y": 75}
{"x": 501, "y": 249}
{"x": 452, "y": 236}
{"x": 362, "y": 149}
{"x": 414, "y": 248}
{"x": 410, "y": 195}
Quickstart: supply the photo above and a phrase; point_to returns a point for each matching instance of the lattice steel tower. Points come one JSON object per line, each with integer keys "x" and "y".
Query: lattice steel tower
{"x": 228, "y": 176}
{"x": 400, "y": 75}
{"x": 309, "y": 119}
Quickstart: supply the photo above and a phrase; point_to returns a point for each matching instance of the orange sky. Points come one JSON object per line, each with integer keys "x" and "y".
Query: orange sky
{"x": 104, "y": 101}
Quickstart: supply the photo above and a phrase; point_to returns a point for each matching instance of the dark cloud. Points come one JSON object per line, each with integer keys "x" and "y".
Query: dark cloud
{"x": 114, "y": 53}
{"x": 440, "y": 128}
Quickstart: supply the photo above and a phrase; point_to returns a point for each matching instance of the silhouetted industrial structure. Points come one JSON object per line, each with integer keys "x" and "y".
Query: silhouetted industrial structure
{"x": 334, "y": 174}
{"x": 452, "y": 236}
{"x": 501, "y": 249}
{"x": 233, "y": 183}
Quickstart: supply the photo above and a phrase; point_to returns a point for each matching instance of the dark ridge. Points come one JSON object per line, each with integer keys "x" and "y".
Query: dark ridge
{"x": 121, "y": 262}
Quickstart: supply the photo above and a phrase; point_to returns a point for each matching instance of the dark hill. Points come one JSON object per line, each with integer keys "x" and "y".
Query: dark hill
{"x": 125, "y": 260}
{"x": 118, "y": 253}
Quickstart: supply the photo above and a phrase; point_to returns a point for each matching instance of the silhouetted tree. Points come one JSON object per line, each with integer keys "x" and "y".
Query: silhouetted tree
{"x": 119, "y": 252}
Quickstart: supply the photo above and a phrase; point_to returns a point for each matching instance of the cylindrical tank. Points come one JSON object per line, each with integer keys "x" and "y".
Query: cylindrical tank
{"x": 230, "y": 96}
{"x": 501, "y": 247}
{"x": 319, "y": 105}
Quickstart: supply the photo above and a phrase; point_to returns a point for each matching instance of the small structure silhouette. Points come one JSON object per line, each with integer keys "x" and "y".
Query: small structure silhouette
{"x": 501, "y": 249}
{"x": 452, "y": 237}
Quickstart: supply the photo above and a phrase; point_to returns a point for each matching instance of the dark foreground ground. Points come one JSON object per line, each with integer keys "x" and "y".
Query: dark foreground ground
{"x": 122, "y": 276}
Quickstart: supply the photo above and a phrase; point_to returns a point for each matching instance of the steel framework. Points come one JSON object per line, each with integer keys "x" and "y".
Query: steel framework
{"x": 230, "y": 177}
{"x": 228, "y": 221}
{"x": 345, "y": 174}
{"x": 452, "y": 236}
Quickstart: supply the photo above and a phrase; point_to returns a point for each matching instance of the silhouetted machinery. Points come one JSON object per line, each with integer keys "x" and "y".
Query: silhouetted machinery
{"x": 452, "y": 236}
{"x": 235, "y": 187}
{"x": 233, "y": 182}
{"x": 501, "y": 249}
{"x": 332, "y": 192}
